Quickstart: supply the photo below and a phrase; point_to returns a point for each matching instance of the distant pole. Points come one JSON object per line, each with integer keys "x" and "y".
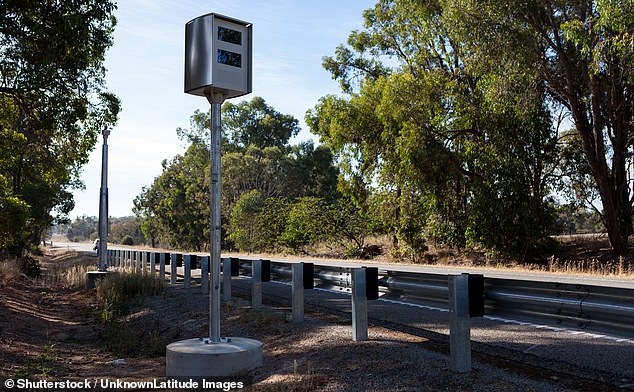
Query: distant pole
{"x": 216, "y": 100}
{"x": 103, "y": 205}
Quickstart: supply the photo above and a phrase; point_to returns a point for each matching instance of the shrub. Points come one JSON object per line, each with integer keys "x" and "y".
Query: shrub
{"x": 30, "y": 266}
{"x": 242, "y": 222}
{"x": 117, "y": 293}
{"x": 306, "y": 223}
{"x": 127, "y": 240}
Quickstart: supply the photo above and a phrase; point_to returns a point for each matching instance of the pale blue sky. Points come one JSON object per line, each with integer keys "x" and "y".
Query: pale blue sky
{"x": 145, "y": 69}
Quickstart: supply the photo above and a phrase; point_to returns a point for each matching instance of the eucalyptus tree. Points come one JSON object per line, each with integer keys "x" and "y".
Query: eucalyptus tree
{"x": 582, "y": 54}
{"x": 53, "y": 107}
{"x": 426, "y": 128}
{"x": 175, "y": 207}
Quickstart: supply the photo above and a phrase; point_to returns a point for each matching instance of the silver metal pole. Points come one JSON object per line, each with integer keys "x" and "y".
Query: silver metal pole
{"x": 216, "y": 100}
{"x": 459, "y": 324}
{"x": 103, "y": 205}
{"x": 359, "y": 305}
{"x": 256, "y": 284}
{"x": 297, "y": 296}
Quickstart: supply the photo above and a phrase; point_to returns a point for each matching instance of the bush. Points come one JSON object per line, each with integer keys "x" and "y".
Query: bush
{"x": 30, "y": 266}
{"x": 127, "y": 240}
{"x": 242, "y": 222}
{"x": 116, "y": 293}
{"x": 307, "y": 222}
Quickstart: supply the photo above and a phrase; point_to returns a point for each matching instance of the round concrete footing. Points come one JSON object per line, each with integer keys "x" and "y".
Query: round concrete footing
{"x": 93, "y": 276}
{"x": 193, "y": 358}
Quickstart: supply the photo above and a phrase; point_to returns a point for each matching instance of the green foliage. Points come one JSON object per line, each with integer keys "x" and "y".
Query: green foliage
{"x": 83, "y": 228}
{"x": 582, "y": 55}
{"x": 306, "y": 223}
{"x": 14, "y": 215}
{"x": 46, "y": 361}
{"x": 436, "y": 134}
{"x": 572, "y": 219}
{"x": 176, "y": 206}
{"x": 243, "y": 230}
{"x": 127, "y": 240}
{"x": 125, "y": 229}
{"x": 249, "y": 123}
{"x": 346, "y": 224}
{"x": 53, "y": 105}
{"x": 175, "y": 209}
{"x": 271, "y": 223}
{"x": 255, "y": 123}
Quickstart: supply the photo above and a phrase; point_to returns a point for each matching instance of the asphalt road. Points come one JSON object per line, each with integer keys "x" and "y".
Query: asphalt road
{"x": 78, "y": 246}
{"x": 605, "y": 359}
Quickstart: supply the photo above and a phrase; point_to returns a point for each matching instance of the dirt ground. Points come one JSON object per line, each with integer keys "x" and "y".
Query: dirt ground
{"x": 48, "y": 332}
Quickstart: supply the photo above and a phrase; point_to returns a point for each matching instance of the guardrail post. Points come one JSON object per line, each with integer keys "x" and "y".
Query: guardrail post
{"x": 298, "y": 293}
{"x": 459, "y": 325}
{"x": 204, "y": 274}
{"x": 187, "y": 263}
{"x": 359, "y": 305}
{"x": 173, "y": 267}
{"x": 137, "y": 259}
{"x": 153, "y": 259}
{"x": 256, "y": 284}
{"x": 226, "y": 279}
{"x": 144, "y": 262}
{"x": 162, "y": 259}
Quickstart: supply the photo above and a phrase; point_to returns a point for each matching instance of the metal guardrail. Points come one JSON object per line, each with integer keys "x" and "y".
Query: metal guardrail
{"x": 592, "y": 308}
{"x": 587, "y": 307}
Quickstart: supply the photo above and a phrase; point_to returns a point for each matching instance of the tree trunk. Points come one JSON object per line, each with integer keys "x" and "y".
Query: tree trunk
{"x": 616, "y": 218}
{"x": 600, "y": 102}
{"x": 611, "y": 183}
{"x": 397, "y": 217}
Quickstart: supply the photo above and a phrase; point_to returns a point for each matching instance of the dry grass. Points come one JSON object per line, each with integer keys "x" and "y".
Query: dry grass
{"x": 578, "y": 254}
{"x": 9, "y": 272}
{"x": 616, "y": 268}
{"x": 68, "y": 269}
{"x": 116, "y": 293}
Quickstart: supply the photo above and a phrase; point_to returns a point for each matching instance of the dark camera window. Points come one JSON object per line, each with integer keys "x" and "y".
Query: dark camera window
{"x": 229, "y": 58}
{"x": 228, "y": 35}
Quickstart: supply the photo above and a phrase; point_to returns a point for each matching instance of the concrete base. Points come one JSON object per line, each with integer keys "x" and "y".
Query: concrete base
{"x": 93, "y": 276}
{"x": 193, "y": 358}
